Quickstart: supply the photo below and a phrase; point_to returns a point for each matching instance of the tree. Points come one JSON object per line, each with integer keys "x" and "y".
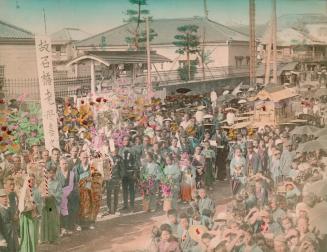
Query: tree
{"x": 137, "y": 16}
{"x": 188, "y": 43}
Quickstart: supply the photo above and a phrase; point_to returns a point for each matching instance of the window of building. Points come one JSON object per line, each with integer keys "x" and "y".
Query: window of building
{"x": 58, "y": 48}
{"x": 238, "y": 60}
{"x": 247, "y": 60}
{"x": 63, "y": 49}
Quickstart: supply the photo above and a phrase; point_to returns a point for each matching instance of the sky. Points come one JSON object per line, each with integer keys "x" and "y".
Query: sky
{"x": 94, "y": 16}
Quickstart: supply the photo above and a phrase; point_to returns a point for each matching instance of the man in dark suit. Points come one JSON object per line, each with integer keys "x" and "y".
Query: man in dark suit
{"x": 128, "y": 173}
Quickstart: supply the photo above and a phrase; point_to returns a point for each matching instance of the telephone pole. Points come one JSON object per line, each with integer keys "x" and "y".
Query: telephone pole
{"x": 148, "y": 52}
{"x": 272, "y": 45}
{"x": 252, "y": 44}
{"x": 206, "y": 12}
{"x": 274, "y": 42}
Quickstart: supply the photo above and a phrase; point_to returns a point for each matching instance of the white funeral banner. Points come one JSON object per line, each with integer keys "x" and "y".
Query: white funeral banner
{"x": 47, "y": 93}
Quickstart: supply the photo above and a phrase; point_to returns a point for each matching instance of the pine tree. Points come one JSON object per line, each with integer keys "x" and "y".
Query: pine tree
{"x": 137, "y": 16}
{"x": 188, "y": 43}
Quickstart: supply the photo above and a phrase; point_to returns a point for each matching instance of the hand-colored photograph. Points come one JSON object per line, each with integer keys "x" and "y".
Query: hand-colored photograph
{"x": 163, "y": 126}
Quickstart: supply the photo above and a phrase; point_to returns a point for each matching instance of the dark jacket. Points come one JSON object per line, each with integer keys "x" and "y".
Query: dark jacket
{"x": 129, "y": 161}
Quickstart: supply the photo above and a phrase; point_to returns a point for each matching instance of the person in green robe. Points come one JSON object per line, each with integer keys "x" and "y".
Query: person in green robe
{"x": 50, "y": 222}
{"x": 210, "y": 160}
{"x": 30, "y": 207}
{"x": 172, "y": 171}
{"x": 205, "y": 202}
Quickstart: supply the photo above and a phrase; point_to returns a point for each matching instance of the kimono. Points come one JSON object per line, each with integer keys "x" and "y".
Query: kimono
{"x": 152, "y": 170}
{"x": 50, "y": 222}
{"x": 29, "y": 225}
{"x": 275, "y": 170}
{"x": 188, "y": 182}
{"x": 89, "y": 194}
{"x": 185, "y": 240}
{"x": 286, "y": 159}
{"x": 34, "y": 168}
{"x": 206, "y": 203}
{"x": 174, "y": 172}
{"x": 67, "y": 184}
{"x": 168, "y": 246}
{"x": 73, "y": 162}
{"x": 210, "y": 157}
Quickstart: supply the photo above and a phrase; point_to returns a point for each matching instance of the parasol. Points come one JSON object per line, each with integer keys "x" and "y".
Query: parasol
{"x": 312, "y": 146}
{"x": 183, "y": 90}
{"x": 196, "y": 231}
{"x": 319, "y": 188}
{"x": 304, "y": 130}
{"x": 317, "y": 217}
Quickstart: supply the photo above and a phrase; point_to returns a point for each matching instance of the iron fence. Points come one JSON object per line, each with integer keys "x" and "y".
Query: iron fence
{"x": 29, "y": 88}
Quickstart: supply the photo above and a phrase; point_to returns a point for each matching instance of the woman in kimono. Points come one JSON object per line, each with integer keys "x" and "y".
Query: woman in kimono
{"x": 67, "y": 183}
{"x": 173, "y": 172}
{"x": 84, "y": 180}
{"x": 50, "y": 223}
{"x": 30, "y": 206}
{"x": 188, "y": 178}
{"x": 198, "y": 163}
{"x": 152, "y": 170}
{"x": 210, "y": 160}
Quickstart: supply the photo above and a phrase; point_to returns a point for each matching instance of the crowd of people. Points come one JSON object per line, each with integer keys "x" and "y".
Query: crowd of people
{"x": 171, "y": 156}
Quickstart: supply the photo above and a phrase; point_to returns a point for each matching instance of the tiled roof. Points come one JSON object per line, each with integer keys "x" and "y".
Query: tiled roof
{"x": 66, "y": 35}
{"x": 292, "y": 29}
{"x": 9, "y": 31}
{"x": 166, "y": 30}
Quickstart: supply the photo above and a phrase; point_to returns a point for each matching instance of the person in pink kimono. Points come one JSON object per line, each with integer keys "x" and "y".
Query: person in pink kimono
{"x": 66, "y": 178}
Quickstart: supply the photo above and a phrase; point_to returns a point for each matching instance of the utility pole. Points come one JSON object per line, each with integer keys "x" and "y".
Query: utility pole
{"x": 274, "y": 33}
{"x": 206, "y": 12}
{"x": 272, "y": 42}
{"x": 148, "y": 52}
{"x": 252, "y": 44}
{"x": 45, "y": 22}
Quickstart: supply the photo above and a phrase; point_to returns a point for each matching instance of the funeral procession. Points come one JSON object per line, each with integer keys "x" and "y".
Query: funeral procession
{"x": 163, "y": 126}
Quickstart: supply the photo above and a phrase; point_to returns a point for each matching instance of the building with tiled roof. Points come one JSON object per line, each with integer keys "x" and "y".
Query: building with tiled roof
{"x": 14, "y": 34}
{"x": 300, "y": 37}
{"x": 63, "y": 48}
{"x": 223, "y": 45}
{"x": 17, "y": 52}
